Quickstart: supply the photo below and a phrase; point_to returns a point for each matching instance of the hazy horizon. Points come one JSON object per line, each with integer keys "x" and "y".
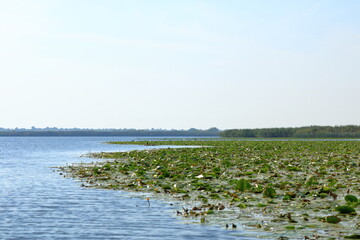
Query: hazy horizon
{"x": 179, "y": 64}
{"x": 34, "y": 128}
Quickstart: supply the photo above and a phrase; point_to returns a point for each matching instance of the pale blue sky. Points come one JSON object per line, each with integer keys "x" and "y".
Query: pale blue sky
{"x": 179, "y": 63}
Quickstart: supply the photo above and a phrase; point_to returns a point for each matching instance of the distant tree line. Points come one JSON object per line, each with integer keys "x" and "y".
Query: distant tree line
{"x": 44, "y": 132}
{"x": 349, "y": 131}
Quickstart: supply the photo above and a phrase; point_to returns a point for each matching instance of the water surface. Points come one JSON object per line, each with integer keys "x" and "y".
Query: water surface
{"x": 38, "y": 203}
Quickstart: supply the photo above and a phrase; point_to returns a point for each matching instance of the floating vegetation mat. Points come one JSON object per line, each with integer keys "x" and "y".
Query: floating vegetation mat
{"x": 289, "y": 189}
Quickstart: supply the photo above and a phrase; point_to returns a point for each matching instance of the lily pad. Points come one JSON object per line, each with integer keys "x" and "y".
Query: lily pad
{"x": 333, "y": 219}
{"x": 345, "y": 209}
{"x": 242, "y": 185}
{"x": 351, "y": 200}
{"x": 354, "y": 236}
{"x": 269, "y": 192}
{"x": 290, "y": 227}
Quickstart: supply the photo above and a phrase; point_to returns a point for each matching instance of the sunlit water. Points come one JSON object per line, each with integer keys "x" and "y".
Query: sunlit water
{"x": 38, "y": 203}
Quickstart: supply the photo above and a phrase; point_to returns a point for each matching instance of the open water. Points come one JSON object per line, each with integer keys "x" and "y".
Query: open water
{"x": 38, "y": 203}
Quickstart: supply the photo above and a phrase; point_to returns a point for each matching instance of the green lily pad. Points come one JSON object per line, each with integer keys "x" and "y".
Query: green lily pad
{"x": 269, "y": 192}
{"x": 333, "y": 219}
{"x": 351, "y": 199}
{"x": 354, "y": 236}
{"x": 242, "y": 185}
{"x": 345, "y": 209}
{"x": 290, "y": 227}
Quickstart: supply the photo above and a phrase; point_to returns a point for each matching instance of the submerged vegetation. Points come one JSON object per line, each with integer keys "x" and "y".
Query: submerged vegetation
{"x": 287, "y": 188}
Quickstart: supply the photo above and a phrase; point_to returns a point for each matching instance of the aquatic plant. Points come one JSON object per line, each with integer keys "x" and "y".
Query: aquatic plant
{"x": 269, "y": 192}
{"x": 242, "y": 185}
{"x": 345, "y": 209}
{"x": 290, "y": 227}
{"x": 332, "y": 219}
{"x": 351, "y": 200}
{"x": 260, "y": 178}
{"x": 353, "y": 236}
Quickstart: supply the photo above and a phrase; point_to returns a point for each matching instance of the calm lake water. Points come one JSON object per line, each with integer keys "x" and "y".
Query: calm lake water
{"x": 38, "y": 203}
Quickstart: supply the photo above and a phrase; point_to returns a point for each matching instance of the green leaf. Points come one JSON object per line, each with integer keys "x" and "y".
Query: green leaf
{"x": 269, "y": 192}
{"x": 351, "y": 199}
{"x": 345, "y": 209}
{"x": 332, "y": 219}
{"x": 354, "y": 236}
{"x": 242, "y": 185}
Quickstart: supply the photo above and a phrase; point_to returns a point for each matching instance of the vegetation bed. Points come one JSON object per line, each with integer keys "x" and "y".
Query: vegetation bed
{"x": 290, "y": 189}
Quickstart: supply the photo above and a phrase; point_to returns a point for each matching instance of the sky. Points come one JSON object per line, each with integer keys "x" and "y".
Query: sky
{"x": 179, "y": 64}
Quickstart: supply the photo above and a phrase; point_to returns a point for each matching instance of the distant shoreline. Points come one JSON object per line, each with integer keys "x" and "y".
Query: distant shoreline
{"x": 104, "y": 133}
{"x": 348, "y": 131}
{"x": 315, "y": 132}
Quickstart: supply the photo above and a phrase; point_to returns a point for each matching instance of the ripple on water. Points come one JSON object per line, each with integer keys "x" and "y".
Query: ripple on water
{"x": 37, "y": 203}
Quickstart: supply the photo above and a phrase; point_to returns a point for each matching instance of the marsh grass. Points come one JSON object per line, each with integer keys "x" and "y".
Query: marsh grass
{"x": 265, "y": 185}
